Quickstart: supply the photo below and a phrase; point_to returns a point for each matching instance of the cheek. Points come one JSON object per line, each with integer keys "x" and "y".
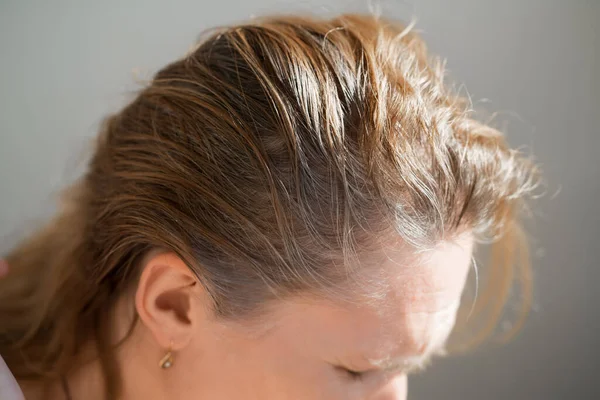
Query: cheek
{"x": 293, "y": 359}
{"x": 229, "y": 365}
{"x": 220, "y": 364}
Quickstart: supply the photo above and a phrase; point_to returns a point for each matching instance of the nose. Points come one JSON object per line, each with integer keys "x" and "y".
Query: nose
{"x": 394, "y": 389}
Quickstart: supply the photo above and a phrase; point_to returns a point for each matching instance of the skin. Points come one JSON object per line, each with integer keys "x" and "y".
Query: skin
{"x": 301, "y": 349}
{"x": 3, "y": 268}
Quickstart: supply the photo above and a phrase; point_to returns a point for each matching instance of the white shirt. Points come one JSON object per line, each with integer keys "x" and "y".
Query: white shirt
{"x": 9, "y": 389}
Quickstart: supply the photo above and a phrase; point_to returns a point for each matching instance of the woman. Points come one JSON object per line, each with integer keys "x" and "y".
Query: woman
{"x": 287, "y": 212}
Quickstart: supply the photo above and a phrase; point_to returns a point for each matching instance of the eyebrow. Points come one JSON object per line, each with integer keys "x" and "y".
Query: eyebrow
{"x": 408, "y": 364}
{"x": 404, "y": 364}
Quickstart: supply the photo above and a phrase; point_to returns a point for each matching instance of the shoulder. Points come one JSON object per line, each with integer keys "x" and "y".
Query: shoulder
{"x": 9, "y": 388}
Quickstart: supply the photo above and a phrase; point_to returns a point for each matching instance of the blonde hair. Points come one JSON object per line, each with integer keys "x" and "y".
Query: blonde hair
{"x": 271, "y": 150}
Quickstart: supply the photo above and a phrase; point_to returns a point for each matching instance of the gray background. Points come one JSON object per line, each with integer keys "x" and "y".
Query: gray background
{"x": 63, "y": 65}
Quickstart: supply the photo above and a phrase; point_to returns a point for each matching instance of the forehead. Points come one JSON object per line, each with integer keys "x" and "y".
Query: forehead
{"x": 412, "y": 314}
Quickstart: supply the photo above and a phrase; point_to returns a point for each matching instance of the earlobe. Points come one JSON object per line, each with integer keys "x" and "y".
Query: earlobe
{"x": 165, "y": 300}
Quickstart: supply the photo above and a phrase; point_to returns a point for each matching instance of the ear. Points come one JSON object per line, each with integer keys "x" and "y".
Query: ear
{"x": 166, "y": 300}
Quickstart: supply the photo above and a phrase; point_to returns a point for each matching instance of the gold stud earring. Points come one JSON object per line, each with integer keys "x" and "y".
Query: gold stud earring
{"x": 167, "y": 361}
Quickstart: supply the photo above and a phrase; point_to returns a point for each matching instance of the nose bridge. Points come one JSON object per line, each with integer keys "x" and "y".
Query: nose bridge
{"x": 394, "y": 389}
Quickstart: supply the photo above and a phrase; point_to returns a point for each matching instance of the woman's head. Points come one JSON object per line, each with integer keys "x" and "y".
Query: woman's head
{"x": 298, "y": 190}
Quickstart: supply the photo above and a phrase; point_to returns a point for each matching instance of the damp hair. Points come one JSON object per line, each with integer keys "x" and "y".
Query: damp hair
{"x": 274, "y": 149}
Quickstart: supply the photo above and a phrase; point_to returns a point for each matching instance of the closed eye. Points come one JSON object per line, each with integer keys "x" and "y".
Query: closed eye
{"x": 352, "y": 374}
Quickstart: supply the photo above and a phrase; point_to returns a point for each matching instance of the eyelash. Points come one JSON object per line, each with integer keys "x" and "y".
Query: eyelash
{"x": 354, "y": 375}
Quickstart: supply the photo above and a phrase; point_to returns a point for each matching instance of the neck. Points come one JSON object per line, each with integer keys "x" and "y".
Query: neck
{"x": 85, "y": 383}
{"x": 137, "y": 363}
{"x": 137, "y": 359}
